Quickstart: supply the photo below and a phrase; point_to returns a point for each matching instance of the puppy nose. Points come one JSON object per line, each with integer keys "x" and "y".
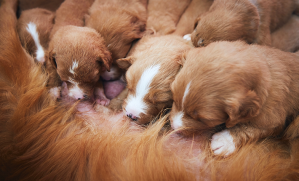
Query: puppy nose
{"x": 85, "y": 97}
{"x": 134, "y": 118}
{"x": 79, "y": 98}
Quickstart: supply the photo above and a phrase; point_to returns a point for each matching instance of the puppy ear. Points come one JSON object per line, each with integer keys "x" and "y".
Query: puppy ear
{"x": 196, "y": 22}
{"x": 182, "y": 58}
{"x": 139, "y": 26}
{"x": 242, "y": 106}
{"x": 106, "y": 61}
{"x": 124, "y": 63}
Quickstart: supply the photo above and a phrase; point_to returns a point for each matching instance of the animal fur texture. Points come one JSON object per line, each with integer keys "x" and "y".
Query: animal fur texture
{"x": 41, "y": 139}
{"x": 248, "y": 20}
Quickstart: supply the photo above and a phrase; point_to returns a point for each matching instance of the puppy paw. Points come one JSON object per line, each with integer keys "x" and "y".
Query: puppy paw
{"x": 223, "y": 143}
{"x": 102, "y": 101}
{"x": 55, "y": 92}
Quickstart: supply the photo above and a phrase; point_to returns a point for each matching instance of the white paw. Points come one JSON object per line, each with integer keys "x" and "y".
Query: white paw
{"x": 223, "y": 143}
{"x": 55, "y": 92}
{"x": 187, "y": 37}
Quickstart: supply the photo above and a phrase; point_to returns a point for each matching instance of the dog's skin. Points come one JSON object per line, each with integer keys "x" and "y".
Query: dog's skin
{"x": 248, "y": 20}
{"x": 41, "y": 139}
{"x": 70, "y": 12}
{"x": 153, "y": 67}
{"x": 120, "y": 23}
{"x": 163, "y": 15}
{"x": 286, "y": 38}
{"x": 34, "y": 27}
{"x": 195, "y": 9}
{"x": 226, "y": 83}
{"x": 79, "y": 56}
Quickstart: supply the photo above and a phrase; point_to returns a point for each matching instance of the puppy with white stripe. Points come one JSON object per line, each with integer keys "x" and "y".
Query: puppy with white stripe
{"x": 78, "y": 55}
{"x": 249, "y": 89}
{"x": 34, "y": 27}
{"x": 153, "y": 66}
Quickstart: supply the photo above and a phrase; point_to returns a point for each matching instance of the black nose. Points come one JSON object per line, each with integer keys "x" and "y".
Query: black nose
{"x": 132, "y": 117}
{"x": 85, "y": 97}
{"x": 129, "y": 115}
{"x": 79, "y": 98}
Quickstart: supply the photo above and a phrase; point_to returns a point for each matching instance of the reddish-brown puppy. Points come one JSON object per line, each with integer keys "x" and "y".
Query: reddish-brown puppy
{"x": 248, "y": 20}
{"x": 195, "y": 9}
{"x": 154, "y": 65}
{"x": 120, "y": 22}
{"x": 34, "y": 27}
{"x": 251, "y": 89}
{"x": 163, "y": 15}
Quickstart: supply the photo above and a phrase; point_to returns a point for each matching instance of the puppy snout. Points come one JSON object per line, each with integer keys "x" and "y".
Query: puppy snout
{"x": 134, "y": 118}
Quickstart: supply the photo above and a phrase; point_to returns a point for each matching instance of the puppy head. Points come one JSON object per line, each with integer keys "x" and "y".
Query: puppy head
{"x": 80, "y": 56}
{"x": 150, "y": 73}
{"x": 226, "y": 22}
{"x": 118, "y": 25}
{"x": 218, "y": 84}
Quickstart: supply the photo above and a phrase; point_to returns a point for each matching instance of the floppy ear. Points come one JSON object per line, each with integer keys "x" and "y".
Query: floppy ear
{"x": 182, "y": 58}
{"x": 124, "y": 63}
{"x": 139, "y": 26}
{"x": 242, "y": 106}
{"x": 106, "y": 61}
{"x": 196, "y": 22}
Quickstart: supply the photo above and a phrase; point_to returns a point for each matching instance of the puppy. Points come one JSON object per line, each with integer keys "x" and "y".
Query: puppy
{"x": 164, "y": 15}
{"x": 286, "y": 38}
{"x": 34, "y": 27}
{"x": 251, "y": 89}
{"x": 79, "y": 56}
{"x": 120, "y": 23}
{"x": 248, "y": 20}
{"x": 195, "y": 9}
{"x": 43, "y": 140}
{"x": 153, "y": 66}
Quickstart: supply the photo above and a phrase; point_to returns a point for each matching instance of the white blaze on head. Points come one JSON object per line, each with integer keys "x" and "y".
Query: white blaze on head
{"x": 177, "y": 119}
{"x": 40, "y": 54}
{"x": 135, "y": 103}
{"x": 75, "y": 91}
{"x": 73, "y": 67}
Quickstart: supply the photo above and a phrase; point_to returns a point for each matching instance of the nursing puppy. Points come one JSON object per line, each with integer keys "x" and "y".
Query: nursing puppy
{"x": 34, "y": 27}
{"x": 119, "y": 23}
{"x": 153, "y": 66}
{"x": 226, "y": 83}
{"x": 286, "y": 38}
{"x": 195, "y": 9}
{"x": 79, "y": 56}
{"x": 248, "y": 20}
{"x": 164, "y": 15}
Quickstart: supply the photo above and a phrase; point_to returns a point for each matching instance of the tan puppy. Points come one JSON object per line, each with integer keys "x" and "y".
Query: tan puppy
{"x": 195, "y": 9}
{"x": 163, "y": 15}
{"x": 286, "y": 38}
{"x": 248, "y": 20}
{"x": 79, "y": 56}
{"x": 34, "y": 27}
{"x": 154, "y": 67}
{"x": 251, "y": 89}
{"x": 120, "y": 23}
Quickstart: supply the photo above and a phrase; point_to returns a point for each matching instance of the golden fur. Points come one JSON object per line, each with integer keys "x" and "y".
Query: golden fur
{"x": 251, "y": 93}
{"x": 45, "y": 140}
{"x": 44, "y": 20}
{"x": 52, "y": 5}
{"x": 163, "y": 15}
{"x": 195, "y": 9}
{"x": 248, "y": 20}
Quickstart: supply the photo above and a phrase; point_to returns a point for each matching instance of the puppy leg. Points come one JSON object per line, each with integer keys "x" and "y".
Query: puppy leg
{"x": 100, "y": 95}
{"x": 227, "y": 141}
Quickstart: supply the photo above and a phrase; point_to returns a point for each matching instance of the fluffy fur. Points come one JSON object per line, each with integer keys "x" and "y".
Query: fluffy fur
{"x": 195, "y": 9}
{"x": 160, "y": 54}
{"x": 248, "y": 20}
{"x": 43, "y": 20}
{"x": 163, "y": 15}
{"x": 251, "y": 93}
{"x": 44, "y": 140}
